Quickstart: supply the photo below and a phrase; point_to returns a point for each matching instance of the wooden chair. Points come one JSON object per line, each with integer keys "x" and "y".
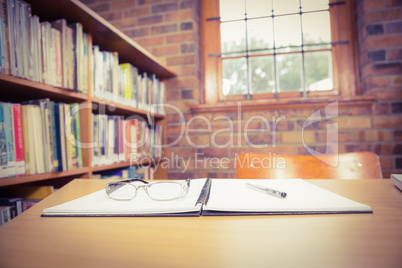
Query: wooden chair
{"x": 359, "y": 165}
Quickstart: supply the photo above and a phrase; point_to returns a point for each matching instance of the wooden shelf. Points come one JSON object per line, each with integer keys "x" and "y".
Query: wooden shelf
{"x": 116, "y": 108}
{"x": 15, "y": 88}
{"x": 108, "y": 38}
{"x": 104, "y": 34}
{"x": 43, "y": 176}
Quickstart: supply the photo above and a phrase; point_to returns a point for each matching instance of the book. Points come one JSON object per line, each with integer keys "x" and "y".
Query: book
{"x": 397, "y": 180}
{"x": 9, "y": 129}
{"x": 15, "y": 205}
{"x": 18, "y": 140}
{"x": 218, "y": 197}
{"x": 3, "y": 144}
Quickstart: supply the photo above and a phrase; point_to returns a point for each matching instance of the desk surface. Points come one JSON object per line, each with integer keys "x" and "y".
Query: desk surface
{"x": 340, "y": 240}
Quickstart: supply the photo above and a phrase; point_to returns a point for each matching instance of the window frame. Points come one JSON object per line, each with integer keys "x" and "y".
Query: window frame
{"x": 343, "y": 61}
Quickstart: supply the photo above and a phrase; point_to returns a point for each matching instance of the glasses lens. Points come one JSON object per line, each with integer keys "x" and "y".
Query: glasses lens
{"x": 121, "y": 191}
{"x": 165, "y": 190}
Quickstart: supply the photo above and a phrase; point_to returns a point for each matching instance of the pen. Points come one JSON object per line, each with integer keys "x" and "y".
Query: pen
{"x": 268, "y": 190}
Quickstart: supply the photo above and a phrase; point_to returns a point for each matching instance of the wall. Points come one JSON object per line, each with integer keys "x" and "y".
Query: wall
{"x": 206, "y": 144}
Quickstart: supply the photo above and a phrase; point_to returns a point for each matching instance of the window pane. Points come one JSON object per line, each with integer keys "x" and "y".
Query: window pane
{"x": 288, "y": 33}
{"x": 233, "y": 35}
{"x": 316, "y": 29}
{"x": 258, "y": 8}
{"x": 289, "y": 72}
{"x": 234, "y": 76}
{"x": 260, "y": 36}
{"x": 286, "y": 7}
{"x": 231, "y": 9}
{"x": 311, "y": 5}
{"x": 262, "y": 72}
{"x": 318, "y": 70}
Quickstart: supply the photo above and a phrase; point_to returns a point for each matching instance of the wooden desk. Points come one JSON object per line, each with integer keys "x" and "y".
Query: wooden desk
{"x": 341, "y": 240}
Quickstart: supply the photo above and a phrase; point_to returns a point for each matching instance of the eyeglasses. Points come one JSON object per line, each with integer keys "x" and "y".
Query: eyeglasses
{"x": 158, "y": 191}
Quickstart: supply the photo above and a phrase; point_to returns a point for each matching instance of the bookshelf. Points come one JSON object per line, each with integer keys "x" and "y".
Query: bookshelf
{"x": 108, "y": 38}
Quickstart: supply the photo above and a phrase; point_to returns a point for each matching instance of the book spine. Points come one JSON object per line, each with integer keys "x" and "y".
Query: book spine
{"x": 70, "y": 143}
{"x": 121, "y": 138}
{"x": 18, "y": 141}
{"x": 3, "y": 144}
{"x": 8, "y": 118}
{"x": 95, "y": 139}
{"x": 10, "y": 24}
{"x": 25, "y": 135}
{"x": 85, "y": 58}
{"x": 45, "y": 103}
{"x": 77, "y": 132}
{"x": 24, "y": 38}
{"x": 55, "y": 136}
{"x": 34, "y": 111}
{"x": 58, "y": 72}
{"x": 62, "y": 136}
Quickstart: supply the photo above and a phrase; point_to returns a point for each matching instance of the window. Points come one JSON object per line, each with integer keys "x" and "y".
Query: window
{"x": 277, "y": 49}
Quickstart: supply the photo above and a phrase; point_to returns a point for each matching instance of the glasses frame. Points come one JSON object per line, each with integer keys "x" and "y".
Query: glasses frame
{"x": 185, "y": 185}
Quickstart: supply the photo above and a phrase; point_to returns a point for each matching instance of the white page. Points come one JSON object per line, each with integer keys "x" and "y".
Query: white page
{"x": 99, "y": 203}
{"x": 234, "y": 195}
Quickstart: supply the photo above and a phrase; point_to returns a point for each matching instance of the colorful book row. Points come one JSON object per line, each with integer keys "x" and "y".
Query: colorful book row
{"x": 61, "y": 54}
{"x": 52, "y": 53}
{"x": 39, "y": 136}
{"x": 116, "y": 139}
{"x": 123, "y": 83}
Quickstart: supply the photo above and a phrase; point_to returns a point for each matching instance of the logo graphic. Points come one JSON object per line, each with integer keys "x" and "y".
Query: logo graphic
{"x": 331, "y": 111}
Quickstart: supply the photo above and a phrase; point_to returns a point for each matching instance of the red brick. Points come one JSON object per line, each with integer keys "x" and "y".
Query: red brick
{"x": 372, "y": 4}
{"x": 150, "y": 20}
{"x": 180, "y": 38}
{"x": 181, "y": 15}
{"x": 381, "y": 108}
{"x": 181, "y": 60}
{"x": 188, "y": 70}
{"x": 125, "y": 24}
{"x": 182, "y": 82}
{"x": 398, "y": 135}
{"x": 112, "y": 16}
{"x": 387, "y": 121}
{"x": 99, "y": 8}
{"x": 151, "y": 41}
{"x": 344, "y": 136}
{"x": 392, "y": 94}
{"x": 358, "y": 110}
{"x": 383, "y": 15}
{"x": 396, "y": 81}
{"x": 137, "y": 12}
{"x": 373, "y": 135}
{"x": 393, "y": 3}
{"x": 139, "y": 32}
{"x": 394, "y": 54}
{"x": 122, "y": 4}
{"x": 172, "y": 94}
{"x": 163, "y": 29}
{"x": 214, "y": 152}
{"x": 145, "y": 2}
{"x": 165, "y": 50}
{"x": 387, "y": 162}
{"x": 383, "y": 41}
{"x": 372, "y": 70}
{"x": 376, "y": 82}
{"x": 164, "y": 7}
{"x": 353, "y": 122}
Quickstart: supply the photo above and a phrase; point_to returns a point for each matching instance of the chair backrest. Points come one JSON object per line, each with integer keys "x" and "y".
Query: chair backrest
{"x": 359, "y": 165}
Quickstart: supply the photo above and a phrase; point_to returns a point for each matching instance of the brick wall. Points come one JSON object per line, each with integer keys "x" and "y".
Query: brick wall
{"x": 206, "y": 144}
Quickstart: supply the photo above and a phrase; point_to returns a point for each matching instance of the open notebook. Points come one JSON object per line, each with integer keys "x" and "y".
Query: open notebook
{"x": 218, "y": 197}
